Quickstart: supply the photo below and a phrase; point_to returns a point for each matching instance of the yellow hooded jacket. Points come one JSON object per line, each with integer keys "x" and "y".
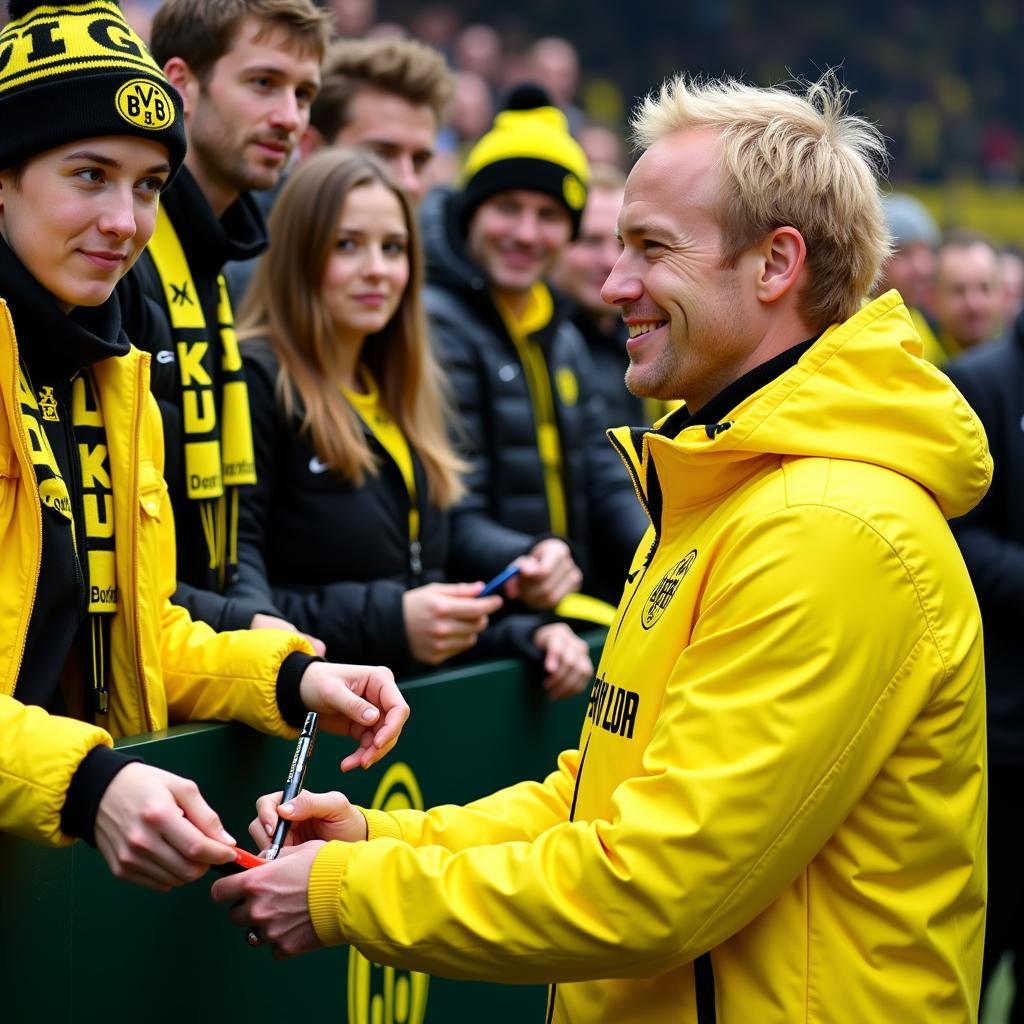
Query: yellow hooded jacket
{"x": 163, "y": 665}
{"x": 777, "y": 809}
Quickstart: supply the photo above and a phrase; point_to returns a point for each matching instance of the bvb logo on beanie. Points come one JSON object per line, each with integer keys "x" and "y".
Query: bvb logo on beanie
{"x": 76, "y": 70}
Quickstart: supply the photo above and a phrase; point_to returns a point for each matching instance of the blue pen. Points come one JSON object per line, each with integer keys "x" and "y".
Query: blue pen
{"x": 503, "y": 577}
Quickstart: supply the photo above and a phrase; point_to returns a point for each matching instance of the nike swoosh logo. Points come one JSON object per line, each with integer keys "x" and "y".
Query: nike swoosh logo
{"x": 630, "y": 576}
{"x": 316, "y": 466}
{"x": 165, "y": 356}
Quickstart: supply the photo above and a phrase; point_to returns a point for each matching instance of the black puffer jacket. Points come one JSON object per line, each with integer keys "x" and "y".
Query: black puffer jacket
{"x": 506, "y": 510}
{"x": 991, "y": 536}
{"x": 608, "y": 354}
{"x": 335, "y": 559}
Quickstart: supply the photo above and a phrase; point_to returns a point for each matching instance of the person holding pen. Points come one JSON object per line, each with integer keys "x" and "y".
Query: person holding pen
{"x": 91, "y": 647}
{"x": 776, "y": 808}
{"x": 348, "y": 531}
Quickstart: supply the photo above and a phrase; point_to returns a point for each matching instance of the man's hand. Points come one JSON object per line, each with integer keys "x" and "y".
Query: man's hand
{"x": 546, "y": 574}
{"x": 361, "y": 701}
{"x": 261, "y": 621}
{"x": 313, "y": 816}
{"x": 566, "y": 660}
{"x": 155, "y": 829}
{"x": 444, "y": 619}
{"x": 273, "y": 900}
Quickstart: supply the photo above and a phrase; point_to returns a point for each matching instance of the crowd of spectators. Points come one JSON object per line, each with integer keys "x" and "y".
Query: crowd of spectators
{"x": 939, "y": 78}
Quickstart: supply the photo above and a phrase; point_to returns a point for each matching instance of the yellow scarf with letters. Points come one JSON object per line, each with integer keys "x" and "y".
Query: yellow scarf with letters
{"x": 97, "y": 501}
{"x": 219, "y": 454}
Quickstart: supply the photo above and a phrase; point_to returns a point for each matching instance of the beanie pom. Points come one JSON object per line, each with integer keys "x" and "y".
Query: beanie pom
{"x": 527, "y": 96}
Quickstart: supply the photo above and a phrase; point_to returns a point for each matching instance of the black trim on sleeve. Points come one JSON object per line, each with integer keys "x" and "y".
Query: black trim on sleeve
{"x": 88, "y": 785}
{"x": 289, "y": 675}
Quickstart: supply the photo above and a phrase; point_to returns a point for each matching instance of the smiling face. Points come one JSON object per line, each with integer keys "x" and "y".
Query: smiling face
{"x": 368, "y": 270}
{"x": 515, "y": 237}
{"x": 692, "y": 320}
{"x": 245, "y": 119}
{"x": 79, "y": 215}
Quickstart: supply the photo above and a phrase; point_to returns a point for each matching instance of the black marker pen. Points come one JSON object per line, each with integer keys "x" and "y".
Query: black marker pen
{"x": 293, "y": 784}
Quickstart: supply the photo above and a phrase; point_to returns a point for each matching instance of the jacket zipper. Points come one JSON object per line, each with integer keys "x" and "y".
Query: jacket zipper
{"x": 77, "y": 500}
{"x": 135, "y": 517}
{"x": 649, "y": 557}
{"x": 704, "y": 989}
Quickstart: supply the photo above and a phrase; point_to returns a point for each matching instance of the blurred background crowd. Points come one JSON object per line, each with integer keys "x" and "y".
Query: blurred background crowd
{"x": 939, "y": 77}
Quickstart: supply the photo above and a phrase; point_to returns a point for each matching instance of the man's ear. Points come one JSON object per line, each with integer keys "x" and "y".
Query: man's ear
{"x": 180, "y": 75}
{"x": 309, "y": 142}
{"x": 783, "y": 255}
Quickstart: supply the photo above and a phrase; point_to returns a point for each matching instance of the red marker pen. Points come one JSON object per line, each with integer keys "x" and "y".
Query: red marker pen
{"x": 243, "y": 860}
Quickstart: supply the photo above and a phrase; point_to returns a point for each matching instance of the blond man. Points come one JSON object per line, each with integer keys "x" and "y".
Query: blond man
{"x": 776, "y": 808}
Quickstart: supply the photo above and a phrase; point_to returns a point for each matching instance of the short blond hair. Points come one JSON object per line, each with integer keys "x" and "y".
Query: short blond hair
{"x": 789, "y": 159}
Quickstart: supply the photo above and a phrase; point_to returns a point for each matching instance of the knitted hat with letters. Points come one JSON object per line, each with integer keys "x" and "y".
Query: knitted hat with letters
{"x": 74, "y": 69}
{"x": 529, "y": 147}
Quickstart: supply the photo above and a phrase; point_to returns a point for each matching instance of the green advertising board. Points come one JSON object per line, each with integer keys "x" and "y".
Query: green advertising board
{"x": 78, "y": 946}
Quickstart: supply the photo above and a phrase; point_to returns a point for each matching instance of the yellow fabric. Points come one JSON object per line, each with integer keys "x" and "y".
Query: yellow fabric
{"x": 95, "y": 34}
{"x": 932, "y": 350}
{"x": 98, "y": 551}
{"x": 783, "y": 759}
{"x": 586, "y": 608}
{"x": 219, "y": 454}
{"x": 539, "y": 134}
{"x": 381, "y": 424}
{"x": 655, "y": 409}
{"x": 163, "y": 666}
{"x": 535, "y": 317}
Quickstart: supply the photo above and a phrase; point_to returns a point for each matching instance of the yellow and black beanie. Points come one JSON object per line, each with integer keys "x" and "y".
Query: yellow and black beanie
{"x": 74, "y": 69}
{"x": 528, "y": 147}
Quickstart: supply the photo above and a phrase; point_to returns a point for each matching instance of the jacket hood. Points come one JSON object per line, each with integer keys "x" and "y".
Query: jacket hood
{"x": 444, "y": 245}
{"x": 861, "y": 392}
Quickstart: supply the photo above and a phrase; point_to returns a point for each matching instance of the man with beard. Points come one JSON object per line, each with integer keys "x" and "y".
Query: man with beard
{"x": 247, "y": 73}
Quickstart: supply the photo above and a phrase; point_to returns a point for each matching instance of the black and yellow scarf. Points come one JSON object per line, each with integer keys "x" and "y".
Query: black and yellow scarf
{"x": 218, "y": 442}
{"x": 98, "y": 506}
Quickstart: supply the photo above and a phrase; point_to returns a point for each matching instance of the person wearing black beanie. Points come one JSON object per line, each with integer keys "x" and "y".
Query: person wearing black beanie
{"x": 545, "y": 488}
{"x": 90, "y": 647}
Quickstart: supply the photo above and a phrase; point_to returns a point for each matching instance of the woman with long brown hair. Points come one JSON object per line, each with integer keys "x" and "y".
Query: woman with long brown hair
{"x": 348, "y": 532}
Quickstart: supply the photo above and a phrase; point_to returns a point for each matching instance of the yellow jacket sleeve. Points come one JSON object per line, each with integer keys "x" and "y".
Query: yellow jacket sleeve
{"x": 41, "y": 752}
{"x": 776, "y": 718}
{"x": 516, "y": 814}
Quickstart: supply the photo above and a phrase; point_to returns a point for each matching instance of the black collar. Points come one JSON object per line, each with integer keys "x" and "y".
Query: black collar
{"x": 56, "y": 345}
{"x": 240, "y": 234}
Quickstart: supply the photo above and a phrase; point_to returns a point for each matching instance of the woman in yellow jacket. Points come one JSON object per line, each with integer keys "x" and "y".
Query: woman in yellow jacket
{"x": 90, "y": 645}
